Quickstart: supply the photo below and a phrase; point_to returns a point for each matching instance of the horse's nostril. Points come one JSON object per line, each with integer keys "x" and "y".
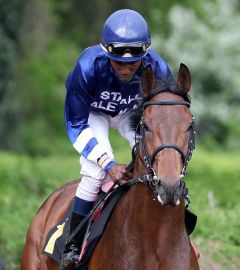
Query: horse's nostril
{"x": 169, "y": 194}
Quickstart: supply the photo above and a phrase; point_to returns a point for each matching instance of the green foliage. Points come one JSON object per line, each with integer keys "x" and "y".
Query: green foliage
{"x": 214, "y": 185}
{"x": 211, "y": 127}
{"x": 204, "y": 36}
{"x": 10, "y": 19}
{"x": 25, "y": 183}
{"x": 42, "y": 115}
{"x": 80, "y": 21}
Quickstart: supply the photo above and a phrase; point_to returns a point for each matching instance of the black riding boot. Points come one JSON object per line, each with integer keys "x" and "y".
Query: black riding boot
{"x": 71, "y": 250}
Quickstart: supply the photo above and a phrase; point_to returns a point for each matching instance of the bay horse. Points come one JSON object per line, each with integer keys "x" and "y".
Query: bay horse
{"x": 147, "y": 228}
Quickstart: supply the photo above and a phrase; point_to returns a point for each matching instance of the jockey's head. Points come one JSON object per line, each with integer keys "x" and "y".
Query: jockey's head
{"x": 125, "y": 36}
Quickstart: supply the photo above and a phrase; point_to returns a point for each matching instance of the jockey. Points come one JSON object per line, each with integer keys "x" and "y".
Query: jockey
{"x": 102, "y": 90}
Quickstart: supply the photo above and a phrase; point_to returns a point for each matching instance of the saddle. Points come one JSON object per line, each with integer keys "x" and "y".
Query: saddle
{"x": 97, "y": 220}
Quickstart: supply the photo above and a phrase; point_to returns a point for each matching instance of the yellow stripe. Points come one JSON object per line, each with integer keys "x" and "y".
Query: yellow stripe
{"x": 51, "y": 243}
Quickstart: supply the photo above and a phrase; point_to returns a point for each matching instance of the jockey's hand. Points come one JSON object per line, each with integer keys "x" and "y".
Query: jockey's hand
{"x": 119, "y": 172}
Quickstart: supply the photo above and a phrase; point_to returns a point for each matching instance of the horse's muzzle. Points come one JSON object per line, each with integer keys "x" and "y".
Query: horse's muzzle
{"x": 169, "y": 194}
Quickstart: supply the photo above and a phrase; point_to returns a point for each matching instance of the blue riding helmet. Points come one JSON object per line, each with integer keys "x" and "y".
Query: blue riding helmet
{"x": 125, "y": 36}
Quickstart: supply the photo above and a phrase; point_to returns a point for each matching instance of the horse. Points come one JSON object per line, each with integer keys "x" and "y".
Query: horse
{"x": 147, "y": 228}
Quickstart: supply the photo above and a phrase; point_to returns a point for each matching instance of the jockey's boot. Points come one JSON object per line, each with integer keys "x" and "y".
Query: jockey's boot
{"x": 71, "y": 251}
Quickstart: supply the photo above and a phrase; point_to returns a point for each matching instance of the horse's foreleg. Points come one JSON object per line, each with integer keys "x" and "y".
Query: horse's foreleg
{"x": 30, "y": 260}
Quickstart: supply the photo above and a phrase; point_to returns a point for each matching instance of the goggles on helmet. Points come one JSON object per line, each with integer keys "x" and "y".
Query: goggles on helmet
{"x": 126, "y": 49}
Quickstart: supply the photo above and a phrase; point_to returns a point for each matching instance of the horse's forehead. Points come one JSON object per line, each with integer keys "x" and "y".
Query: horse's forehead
{"x": 168, "y": 113}
{"x": 167, "y": 96}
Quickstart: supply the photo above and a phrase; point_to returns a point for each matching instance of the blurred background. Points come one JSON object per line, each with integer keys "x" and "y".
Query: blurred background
{"x": 39, "y": 44}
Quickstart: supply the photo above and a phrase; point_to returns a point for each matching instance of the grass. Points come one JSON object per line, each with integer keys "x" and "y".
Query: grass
{"x": 213, "y": 180}
{"x": 214, "y": 185}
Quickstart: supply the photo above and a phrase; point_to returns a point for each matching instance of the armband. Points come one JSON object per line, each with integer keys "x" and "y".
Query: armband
{"x": 106, "y": 162}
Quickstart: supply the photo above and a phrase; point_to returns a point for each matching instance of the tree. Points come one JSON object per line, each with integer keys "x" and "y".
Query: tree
{"x": 10, "y": 18}
{"x": 209, "y": 45}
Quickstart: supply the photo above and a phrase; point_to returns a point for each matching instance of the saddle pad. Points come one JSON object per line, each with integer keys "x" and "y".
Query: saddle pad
{"x": 56, "y": 237}
{"x": 97, "y": 228}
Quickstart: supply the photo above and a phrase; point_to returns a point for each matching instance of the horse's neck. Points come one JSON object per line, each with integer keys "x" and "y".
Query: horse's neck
{"x": 142, "y": 234}
{"x": 145, "y": 207}
{"x": 143, "y": 202}
{"x": 150, "y": 232}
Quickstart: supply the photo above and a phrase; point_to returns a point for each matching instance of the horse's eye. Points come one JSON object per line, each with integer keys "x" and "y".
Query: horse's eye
{"x": 145, "y": 126}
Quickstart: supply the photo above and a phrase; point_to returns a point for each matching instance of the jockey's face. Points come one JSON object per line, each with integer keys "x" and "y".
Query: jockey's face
{"x": 125, "y": 70}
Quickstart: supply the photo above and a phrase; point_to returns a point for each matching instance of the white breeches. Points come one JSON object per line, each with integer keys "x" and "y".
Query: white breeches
{"x": 92, "y": 173}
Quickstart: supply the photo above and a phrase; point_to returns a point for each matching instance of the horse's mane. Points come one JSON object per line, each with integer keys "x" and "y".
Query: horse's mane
{"x": 162, "y": 86}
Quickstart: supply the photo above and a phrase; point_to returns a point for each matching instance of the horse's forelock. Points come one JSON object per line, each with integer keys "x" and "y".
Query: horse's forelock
{"x": 171, "y": 86}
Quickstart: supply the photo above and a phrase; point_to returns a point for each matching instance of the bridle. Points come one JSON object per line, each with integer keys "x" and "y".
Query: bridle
{"x": 148, "y": 160}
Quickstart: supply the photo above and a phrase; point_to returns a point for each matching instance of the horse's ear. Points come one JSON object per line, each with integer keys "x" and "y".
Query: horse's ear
{"x": 184, "y": 78}
{"x": 148, "y": 80}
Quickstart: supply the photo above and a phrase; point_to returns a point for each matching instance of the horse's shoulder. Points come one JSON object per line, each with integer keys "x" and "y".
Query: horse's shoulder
{"x": 65, "y": 192}
{"x": 54, "y": 207}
